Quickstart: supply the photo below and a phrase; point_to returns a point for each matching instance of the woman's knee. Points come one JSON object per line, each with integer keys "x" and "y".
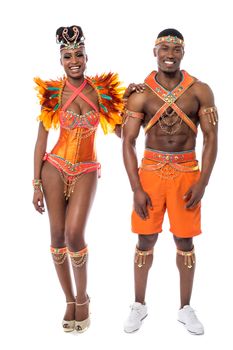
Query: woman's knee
{"x": 184, "y": 244}
{"x": 75, "y": 240}
{"x": 147, "y": 242}
{"x": 57, "y": 238}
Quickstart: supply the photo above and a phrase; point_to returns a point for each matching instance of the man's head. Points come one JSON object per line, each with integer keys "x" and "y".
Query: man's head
{"x": 169, "y": 50}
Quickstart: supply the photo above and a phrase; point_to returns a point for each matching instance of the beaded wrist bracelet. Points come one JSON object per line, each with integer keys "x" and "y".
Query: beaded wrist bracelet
{"x": 37, "y": 184}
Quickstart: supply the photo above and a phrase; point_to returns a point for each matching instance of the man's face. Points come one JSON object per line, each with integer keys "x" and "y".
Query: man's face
{"x": 169, "y": 56}
{"x": 74, "y": 62}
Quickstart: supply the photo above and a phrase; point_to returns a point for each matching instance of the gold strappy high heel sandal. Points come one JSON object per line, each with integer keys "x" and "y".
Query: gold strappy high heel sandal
{"x": 68, "y": 326}
{"x": 82, "y": 326}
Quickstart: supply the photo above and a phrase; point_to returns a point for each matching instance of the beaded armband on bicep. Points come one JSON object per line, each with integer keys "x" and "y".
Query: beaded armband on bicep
{"x": 211, "y": 113}
{"x": 130, "y": 114}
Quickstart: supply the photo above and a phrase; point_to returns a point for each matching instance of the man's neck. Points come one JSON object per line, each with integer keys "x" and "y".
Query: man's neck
{"x": 169, "y": 79}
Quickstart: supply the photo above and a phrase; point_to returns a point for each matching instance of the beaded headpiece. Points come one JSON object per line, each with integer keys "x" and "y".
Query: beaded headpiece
{"x": 69, "y": 41}
{"x": 169, "y": 39}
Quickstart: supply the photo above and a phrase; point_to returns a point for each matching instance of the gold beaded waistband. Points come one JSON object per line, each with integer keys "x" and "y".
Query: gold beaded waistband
{"x": 178, "y": 161}
{"x": 168, "y": 157}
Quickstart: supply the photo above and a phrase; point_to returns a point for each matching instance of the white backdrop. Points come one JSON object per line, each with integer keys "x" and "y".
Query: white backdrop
{"x": 119, "y": 37}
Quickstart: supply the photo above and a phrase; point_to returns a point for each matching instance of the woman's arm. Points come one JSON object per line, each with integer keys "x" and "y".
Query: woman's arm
{"x": 40, "y": 149}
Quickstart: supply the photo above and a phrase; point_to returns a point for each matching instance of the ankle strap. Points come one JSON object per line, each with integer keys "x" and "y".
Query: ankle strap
{"x": 85, "y": 302}
{"x": 70, "y": 302}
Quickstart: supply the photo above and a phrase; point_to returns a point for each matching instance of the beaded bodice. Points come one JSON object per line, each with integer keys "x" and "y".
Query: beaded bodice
{"x": 72, "y": 120}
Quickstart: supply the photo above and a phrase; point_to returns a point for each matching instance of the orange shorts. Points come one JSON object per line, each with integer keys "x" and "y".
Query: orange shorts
{"x": 166, "y": 177}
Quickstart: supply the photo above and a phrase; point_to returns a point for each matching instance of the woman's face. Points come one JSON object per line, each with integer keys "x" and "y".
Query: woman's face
{"x": 74, "y": 62}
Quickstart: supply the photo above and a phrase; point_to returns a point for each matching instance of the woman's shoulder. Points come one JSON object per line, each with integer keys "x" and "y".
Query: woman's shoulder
{"x": 110, "y": 92}
{"x": 50, "y": 85}
{"x": 49, "y": 95}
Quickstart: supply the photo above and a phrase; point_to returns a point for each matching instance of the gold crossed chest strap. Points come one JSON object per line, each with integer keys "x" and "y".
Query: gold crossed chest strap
{"x": 169, "y": 97}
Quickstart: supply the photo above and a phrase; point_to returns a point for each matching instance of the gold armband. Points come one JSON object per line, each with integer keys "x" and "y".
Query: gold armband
{"x": 130, "y": 114}
{"x": 211, "y": 113}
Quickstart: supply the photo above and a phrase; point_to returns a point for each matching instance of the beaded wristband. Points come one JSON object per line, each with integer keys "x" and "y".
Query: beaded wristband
{"x": 37, "y": 184}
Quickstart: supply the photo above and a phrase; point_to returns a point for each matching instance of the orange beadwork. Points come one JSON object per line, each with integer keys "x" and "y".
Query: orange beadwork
{"x": 169, "y": 98}
{"x": 74, "y": 153}
{"x": 78, "y": 259}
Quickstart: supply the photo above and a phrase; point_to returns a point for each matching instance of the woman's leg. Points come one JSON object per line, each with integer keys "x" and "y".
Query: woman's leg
{"x": 78, "y": 208}
{"x": 53, "y": 188}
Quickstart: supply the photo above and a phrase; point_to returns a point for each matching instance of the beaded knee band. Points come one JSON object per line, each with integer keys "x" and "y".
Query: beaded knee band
{"x": 140, "y": 256}
{"x": 78, "y": 259}
{"x": 189, "y": 257}
{"x": 59, "y": 255}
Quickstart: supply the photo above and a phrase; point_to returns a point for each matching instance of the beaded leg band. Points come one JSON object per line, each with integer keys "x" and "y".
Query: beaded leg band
{"x": 189, "y": 257}
{"x": 59, "y": 255}
{"x": 140, "y": 256}
{"x": 78, "y": 259}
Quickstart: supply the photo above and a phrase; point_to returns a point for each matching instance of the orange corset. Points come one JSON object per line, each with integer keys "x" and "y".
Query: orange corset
{"x": 77, "y": 143}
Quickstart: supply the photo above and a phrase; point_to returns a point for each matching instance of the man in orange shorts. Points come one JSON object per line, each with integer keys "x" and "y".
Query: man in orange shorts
{"x": 170, "y": 109}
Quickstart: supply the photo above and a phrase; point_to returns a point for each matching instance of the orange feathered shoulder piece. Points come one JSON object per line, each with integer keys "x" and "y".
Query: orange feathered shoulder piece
{"x": 49, "y": 94}
{"x": 110, "y": 93}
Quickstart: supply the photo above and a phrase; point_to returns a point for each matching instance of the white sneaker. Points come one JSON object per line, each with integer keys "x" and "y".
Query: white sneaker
{"x": 137, "y": 314}
{"x": 187, "y": 316}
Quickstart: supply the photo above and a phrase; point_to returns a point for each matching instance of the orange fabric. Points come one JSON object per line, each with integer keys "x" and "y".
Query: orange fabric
{"x": 75, "y": 145}
{"x": 166, "y": 187}
{"x": 176, "y": 157}
{"x": 69, "y": 168}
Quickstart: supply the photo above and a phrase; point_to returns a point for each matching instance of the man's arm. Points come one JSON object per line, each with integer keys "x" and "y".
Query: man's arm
{"x": 130, "y": 132}
{"x": 208, "y": 122}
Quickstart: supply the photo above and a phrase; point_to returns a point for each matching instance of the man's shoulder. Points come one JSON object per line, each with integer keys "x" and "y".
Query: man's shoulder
{"x": 201, "y": 87}
{"x": 202, "y": 91}
{"x": 136, "y": 101}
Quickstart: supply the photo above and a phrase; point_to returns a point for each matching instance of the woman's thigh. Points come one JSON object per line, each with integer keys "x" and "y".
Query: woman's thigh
{"x": 53, "y": 188}
{"x": 78, "y": 208}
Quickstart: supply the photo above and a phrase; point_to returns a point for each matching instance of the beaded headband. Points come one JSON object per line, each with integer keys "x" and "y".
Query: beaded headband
{"x": 70, "y": 43}
{"x": 169, "y": 39}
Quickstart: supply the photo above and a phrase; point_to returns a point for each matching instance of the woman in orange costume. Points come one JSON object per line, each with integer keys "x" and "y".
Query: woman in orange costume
{"x": 67, "y": 176}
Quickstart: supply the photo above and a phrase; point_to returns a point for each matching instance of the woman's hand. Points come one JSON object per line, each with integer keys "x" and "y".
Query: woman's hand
{"x": 134, "y": 88}
{"x": 38, "y": 201}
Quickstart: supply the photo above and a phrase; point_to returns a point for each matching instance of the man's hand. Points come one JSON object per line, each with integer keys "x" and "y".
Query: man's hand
{"x": 193, "y": 196}
{"x": 141, "y": 201}
{"x": 134, "y": 88}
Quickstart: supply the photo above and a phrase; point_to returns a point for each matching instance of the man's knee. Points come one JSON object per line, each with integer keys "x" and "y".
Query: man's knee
{"x": 147, "y": 242}
{"x": 185, "y": 244}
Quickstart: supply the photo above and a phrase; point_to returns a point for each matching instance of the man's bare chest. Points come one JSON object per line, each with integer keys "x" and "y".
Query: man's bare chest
{"x": 187, "y": 103}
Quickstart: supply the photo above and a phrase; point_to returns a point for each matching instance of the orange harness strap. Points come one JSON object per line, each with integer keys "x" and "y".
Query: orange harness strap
{"x": 78, "y": 92}
{"x": 169, "y": 97}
